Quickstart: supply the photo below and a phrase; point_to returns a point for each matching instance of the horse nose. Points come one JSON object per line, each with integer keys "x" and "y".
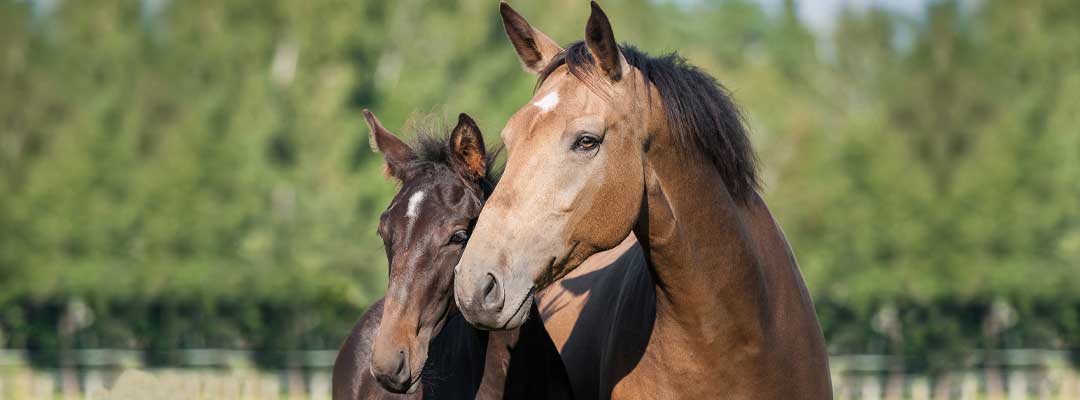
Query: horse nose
{"x": 493, "y": 298}
{"x": 393, "y": 372}
{"x": 480, "y": 293}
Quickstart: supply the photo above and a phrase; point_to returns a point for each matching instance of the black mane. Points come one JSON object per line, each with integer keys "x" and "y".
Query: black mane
{"x": 432, "y": 147}
{"x": 700, "y": 111}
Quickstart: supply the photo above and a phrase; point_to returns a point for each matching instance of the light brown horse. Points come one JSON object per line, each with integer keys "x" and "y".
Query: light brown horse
{"x": 615, "y": 141}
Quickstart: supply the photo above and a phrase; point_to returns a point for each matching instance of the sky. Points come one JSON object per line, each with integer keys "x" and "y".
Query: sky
{"x": 821, "y": 15}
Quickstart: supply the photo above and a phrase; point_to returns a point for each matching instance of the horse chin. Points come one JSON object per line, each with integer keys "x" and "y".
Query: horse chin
{"x": 521, "y": 314}
{"x": 404, "y": 389}
{"x": 417, "y": 377}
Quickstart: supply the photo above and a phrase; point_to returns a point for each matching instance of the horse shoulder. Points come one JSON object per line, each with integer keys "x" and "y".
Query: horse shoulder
{"x": 352, "y": 379}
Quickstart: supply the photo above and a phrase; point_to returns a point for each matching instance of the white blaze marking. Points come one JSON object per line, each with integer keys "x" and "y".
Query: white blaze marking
{"x": 548, "y": 102}
{"x": 414, "y": 203}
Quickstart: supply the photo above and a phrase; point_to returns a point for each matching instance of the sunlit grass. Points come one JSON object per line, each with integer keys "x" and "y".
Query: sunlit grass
{"x": 244, "y": 384}
{"x": 21, "y": 383}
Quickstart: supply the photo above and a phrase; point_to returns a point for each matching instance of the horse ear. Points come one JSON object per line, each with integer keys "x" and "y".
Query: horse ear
{"x": 601, "y": 43}
{"x": 534, "y": 48}
{"x": 467, "y": 149}
{"x": 396, "y": 153}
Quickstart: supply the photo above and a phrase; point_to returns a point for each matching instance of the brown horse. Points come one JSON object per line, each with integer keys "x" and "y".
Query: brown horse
{"x": 415, "y": 333}
{"x": 615, "y": 141}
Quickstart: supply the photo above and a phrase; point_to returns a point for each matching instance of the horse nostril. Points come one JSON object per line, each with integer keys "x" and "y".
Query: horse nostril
{"x": 394, "y": 376}
{"x": 493, "y": 294}
{"x": 490, "y": 285}
{"x": 401, "y": 364}
{"x": 402, "y": 374}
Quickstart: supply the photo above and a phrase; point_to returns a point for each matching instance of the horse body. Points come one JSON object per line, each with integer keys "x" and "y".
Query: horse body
{"x": 731, "y": 305}
{"x": 613, "y": 142}
{"x": 714, "y": 296}
{"x": 620, "y": 336}
{"x": 352, "y": 379}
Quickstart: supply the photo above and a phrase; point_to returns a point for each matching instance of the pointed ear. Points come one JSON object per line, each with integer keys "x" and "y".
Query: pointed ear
{"x": 396, "y": 153}
{"x": 467, "y": 149}
{"x": 601, "y": 43}
{"x": 533, "y": 47}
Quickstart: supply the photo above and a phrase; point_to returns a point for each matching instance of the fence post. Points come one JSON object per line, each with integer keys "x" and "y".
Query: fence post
{"x": 43, "y": 386}
{"x": 920, "y": 388}
{"x": 1070, "y": 385}
{"x": 871, "y": 387}
{"x": 969, "y": 388}
{"x": 1018, "y": 387}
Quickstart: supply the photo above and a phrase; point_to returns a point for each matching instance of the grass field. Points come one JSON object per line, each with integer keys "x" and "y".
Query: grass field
{"x": 854, "y": 377}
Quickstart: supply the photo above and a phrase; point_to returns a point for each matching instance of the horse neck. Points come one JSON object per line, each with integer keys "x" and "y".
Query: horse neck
{"x": 709, "y": 282}
{"x": 496, "y": 362}
{"x": 477, "y": 360}
{"x": 454, "y": 357}
{"x": 524, "y": 363}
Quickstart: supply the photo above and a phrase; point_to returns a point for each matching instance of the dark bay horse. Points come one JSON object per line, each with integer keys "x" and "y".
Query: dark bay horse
{"x": 615, "y": 141}
{"x": 414, "y": 337}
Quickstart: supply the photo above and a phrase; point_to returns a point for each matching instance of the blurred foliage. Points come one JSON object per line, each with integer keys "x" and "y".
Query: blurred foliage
{"x": 187, "y": 174}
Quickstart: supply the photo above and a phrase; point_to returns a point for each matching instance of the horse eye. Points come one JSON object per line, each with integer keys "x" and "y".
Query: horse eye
{"x": 586, "y": 142}
{"x": 459, "y": 237}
